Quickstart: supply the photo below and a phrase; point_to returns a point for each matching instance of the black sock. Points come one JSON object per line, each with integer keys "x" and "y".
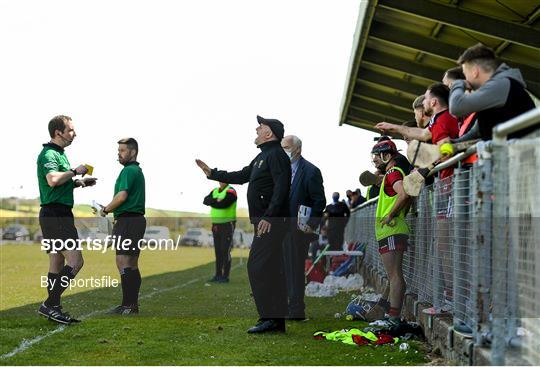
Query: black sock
{"x": 134, "y": 297}
{"x": 125, "y": 275}
{"x": 62, "y": 282}
{"x": 52, "y": 278}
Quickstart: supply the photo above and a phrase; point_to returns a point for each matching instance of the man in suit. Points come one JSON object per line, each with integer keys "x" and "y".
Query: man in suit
{"x": 306, "y": 189}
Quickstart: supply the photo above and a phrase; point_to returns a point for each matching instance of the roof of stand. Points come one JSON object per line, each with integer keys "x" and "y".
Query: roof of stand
{"x": 401, "y": 47}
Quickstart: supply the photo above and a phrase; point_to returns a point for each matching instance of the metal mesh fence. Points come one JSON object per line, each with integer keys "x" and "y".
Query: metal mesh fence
{"x": 475, "y": 250}
{"x": 462, "y": 251}
{"x": 516, "y": 285}
{"x": 421, "y": 263}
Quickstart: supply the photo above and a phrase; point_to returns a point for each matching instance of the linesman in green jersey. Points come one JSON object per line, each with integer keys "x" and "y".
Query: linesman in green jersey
{"x": 127, "y": 207}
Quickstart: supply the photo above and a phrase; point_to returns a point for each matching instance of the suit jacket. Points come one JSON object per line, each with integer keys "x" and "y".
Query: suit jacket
{"x": 307, "y": 189}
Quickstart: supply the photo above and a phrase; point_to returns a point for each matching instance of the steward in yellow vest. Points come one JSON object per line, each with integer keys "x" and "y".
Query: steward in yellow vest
{"x": 222, "y": 201}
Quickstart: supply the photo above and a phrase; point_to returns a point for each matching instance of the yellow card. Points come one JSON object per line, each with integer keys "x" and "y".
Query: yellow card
{"x": 90, "y": 169}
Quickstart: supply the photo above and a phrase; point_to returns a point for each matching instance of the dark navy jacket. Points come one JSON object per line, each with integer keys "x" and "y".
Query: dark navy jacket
{"x": 307, "y": 189}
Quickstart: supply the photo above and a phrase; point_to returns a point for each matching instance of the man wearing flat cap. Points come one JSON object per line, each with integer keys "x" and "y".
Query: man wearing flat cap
{"x": 269, "y": 177}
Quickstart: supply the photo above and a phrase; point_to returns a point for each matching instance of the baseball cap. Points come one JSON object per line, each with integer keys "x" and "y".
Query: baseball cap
{"x": 275, "y": 125}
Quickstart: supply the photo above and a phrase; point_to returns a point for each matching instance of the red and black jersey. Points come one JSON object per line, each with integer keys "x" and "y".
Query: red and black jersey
{"x": 443, "y": 125}
{"x": 392, "y": 176}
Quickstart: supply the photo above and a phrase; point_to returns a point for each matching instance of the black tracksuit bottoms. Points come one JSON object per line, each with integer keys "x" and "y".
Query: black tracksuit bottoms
{"x": 266, "y": 272}
{"x": 223, "y": 240}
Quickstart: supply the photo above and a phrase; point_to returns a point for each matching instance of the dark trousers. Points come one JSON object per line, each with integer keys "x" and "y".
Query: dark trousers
{"x": 295, "y": 249}
{"x": 336, "y": 237}
{"x": 223, "y": 238}
{"x": 265, "y": 271}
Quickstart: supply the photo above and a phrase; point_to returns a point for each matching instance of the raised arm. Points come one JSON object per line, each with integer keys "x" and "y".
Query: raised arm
{"x": 236, "y": 177}
{"x": 413, "y": 133}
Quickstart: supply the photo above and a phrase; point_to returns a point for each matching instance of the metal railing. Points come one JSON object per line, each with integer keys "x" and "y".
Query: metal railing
{"x": 475, "y": 243}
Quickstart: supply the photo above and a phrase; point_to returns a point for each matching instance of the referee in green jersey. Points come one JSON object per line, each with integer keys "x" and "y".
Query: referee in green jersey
{"x": 56, "y": 184}
{"x": 127, "y": 207}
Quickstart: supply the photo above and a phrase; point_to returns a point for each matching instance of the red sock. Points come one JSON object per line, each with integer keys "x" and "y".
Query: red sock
{"x": 394, "y": 312}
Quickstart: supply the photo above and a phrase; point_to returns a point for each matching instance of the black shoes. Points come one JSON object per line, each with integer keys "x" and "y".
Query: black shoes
{"x": 297, "y": 318}
{"x": 218, "y": 279}
{"x": 124, "y": 310}
{"x": 55, "y": 313}
{"x": 268, "y": 326}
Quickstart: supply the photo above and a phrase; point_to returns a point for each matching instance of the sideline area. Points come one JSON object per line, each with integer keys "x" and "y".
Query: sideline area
{"x": 183, "y": 320}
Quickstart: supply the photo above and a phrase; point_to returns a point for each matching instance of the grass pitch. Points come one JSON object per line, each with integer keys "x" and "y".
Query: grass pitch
{"x": 183, "y": 320}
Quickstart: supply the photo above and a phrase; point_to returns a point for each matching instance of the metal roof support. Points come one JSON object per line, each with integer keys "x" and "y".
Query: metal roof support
{"x": 383, "y": 110}
{"x": 369, "y": 114}
{"x": 435, "y": 47}
{"x": 396, "y": 63}
{"x": 390, "y": 82}
{"x": 451, "y": 15}
{"x": 366, "y": 12}
{"x": 384, "y": 97}
{"x": 414, "y": 41}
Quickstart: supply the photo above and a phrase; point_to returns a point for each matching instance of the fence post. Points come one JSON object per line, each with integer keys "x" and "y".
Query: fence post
{"x": 437, "y": 283}
{"x": 459, "y": 221}
{"x": 500, "y": 252}
{"x": 481, "y": 192}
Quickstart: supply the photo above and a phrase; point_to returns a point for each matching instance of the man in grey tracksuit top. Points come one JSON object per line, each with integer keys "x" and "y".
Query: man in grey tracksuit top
{"x": 498, "y": 93}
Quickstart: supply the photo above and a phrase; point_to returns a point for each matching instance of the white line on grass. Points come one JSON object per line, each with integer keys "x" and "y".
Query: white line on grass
{"x": 27, "y": 343}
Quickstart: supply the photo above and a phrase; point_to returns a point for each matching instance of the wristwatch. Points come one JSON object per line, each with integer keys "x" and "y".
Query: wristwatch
{"x": 74, "y": 171}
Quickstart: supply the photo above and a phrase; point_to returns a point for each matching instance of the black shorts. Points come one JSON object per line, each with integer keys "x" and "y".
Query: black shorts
{"x": 128, "y": 226}
{"x": 397, "y": 242}
{"x": 57, "y": 223}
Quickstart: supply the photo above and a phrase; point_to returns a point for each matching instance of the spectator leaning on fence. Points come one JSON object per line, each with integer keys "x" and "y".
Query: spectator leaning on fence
{"x": 420, "y": 115}
{"x": 391, "y": 229}
{"x": 466, "y": 122}
{"x": 441, "y": 125}
{"x": 498, "y": 92}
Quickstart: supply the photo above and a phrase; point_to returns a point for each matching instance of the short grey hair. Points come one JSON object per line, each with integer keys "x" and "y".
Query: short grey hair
{"x": 296, "y": 142}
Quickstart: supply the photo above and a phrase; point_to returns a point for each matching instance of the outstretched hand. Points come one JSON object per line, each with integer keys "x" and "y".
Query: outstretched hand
{"x": 385, "y": 127}
{"x": 203, "y": 166}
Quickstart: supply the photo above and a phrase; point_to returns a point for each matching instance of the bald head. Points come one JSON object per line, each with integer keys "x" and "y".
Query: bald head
{"x": 292, "y": 146}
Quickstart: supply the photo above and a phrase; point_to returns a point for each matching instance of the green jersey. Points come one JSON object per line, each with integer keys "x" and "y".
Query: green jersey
{"x": 53, "y": 159}
{"x": 131, "y": 179}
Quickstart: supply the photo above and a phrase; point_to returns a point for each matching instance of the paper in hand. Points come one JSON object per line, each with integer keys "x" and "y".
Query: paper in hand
{"x": 97, "y": 206}
{"x": 304, "y": 214}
